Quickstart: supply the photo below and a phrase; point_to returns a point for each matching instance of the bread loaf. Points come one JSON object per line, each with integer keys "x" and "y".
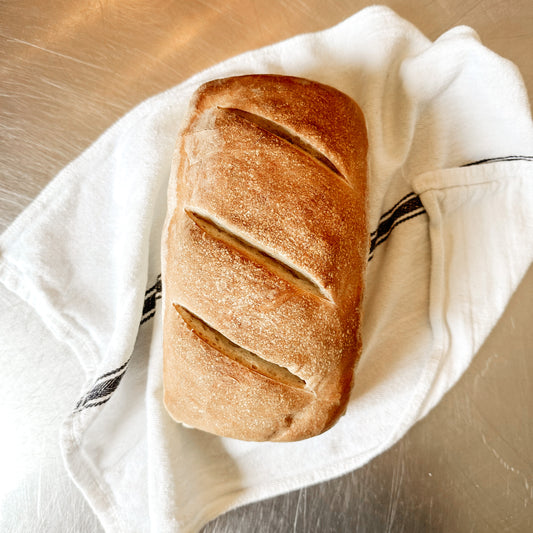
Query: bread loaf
{"x": 264, "y": 252}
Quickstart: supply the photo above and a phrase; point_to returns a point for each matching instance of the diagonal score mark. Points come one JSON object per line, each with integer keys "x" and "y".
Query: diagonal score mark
{"x": 273, "y": 263}
{"x": 286, "y": 135}
{"x": 229, "y": 349}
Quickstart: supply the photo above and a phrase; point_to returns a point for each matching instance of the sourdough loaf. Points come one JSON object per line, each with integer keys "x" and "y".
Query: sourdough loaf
{"x": 264, "y": 252}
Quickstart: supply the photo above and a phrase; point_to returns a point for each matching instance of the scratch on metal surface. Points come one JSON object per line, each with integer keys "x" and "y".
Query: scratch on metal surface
{"x": 295, "y": 522}
{"x": 488, "y": 363}
{"x": 65, "y": 56}
{"x": 482, "y": 373}
{"x": 158, "y": 60}
{"x": 297, "y": 511}
{"x": 396, "y": 483}
{"x": 508, "y": 467}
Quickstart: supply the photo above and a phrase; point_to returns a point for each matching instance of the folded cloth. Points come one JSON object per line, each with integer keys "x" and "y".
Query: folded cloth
{"x": 451, "y": 189}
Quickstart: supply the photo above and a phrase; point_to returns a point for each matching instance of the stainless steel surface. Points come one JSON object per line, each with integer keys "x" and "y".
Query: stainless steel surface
{"x": 69, "y": 69}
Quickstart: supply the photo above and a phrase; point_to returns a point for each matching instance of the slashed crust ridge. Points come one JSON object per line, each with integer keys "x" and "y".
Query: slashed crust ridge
{"x": 264, "y": 251}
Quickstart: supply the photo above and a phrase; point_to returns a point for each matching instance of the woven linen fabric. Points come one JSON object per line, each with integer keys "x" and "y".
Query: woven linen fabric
{"x": 451, "y": 189}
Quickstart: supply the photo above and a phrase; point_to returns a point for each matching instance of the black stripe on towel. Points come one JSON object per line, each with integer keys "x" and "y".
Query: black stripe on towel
{"x": 408, "y": 207}
{"x": 119, "y": 369}
{"x": 103, "y": 388}
{"x": 151, "y": 295}
{"x": 499, "y": 159}
{"x": 107, "y": 383}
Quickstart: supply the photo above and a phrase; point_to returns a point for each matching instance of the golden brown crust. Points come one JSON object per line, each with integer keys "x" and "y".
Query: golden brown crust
{"x": 264, "y": 252}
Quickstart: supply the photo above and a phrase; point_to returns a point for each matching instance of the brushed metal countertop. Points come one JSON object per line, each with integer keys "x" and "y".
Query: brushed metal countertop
{"x": 71, "y": 68}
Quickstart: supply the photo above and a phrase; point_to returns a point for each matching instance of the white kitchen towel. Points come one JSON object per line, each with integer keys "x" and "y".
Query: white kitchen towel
{"x": 451, "y": 195}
